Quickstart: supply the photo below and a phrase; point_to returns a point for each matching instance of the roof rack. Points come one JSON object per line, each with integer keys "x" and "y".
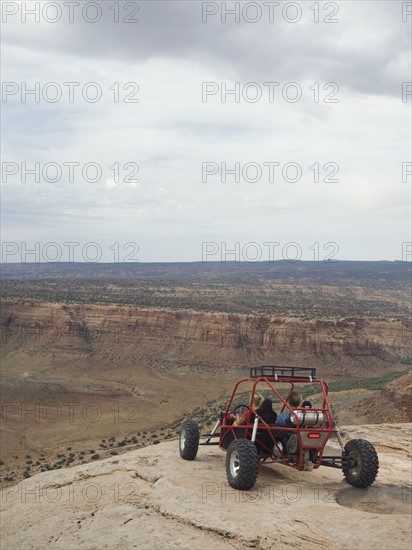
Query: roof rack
{"x": 278, "y": 371}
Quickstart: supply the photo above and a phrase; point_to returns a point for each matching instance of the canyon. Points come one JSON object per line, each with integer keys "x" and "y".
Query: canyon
{"x": 202, "y": 339}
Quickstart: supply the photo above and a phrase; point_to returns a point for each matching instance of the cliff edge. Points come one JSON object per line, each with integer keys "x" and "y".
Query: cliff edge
{"x": 151, "y": 498}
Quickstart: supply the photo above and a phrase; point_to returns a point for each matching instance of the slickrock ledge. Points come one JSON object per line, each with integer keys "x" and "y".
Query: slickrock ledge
{"x": 152, "y": 499}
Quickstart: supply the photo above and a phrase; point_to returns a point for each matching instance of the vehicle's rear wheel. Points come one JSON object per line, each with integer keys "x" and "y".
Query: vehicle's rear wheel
{"x": 189, "y": 440}
{"x": 362, "y": 465}
{"x": 242, "y": 464}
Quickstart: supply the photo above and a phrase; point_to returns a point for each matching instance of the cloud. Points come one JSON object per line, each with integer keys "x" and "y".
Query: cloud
{"x": 150, "y": 144}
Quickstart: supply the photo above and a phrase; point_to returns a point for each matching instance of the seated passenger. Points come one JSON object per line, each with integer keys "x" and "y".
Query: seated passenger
{"x": 294, "y": 399}
{"x": 245, "y": 417}
{"x": 307, "y": 405}
{"x": 266, "y": 412}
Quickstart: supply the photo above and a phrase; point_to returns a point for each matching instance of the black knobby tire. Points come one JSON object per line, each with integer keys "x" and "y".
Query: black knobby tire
{"x": 189, "y": 440}
{"x": 362, "y": 466}
{"x": 242, "y": 464}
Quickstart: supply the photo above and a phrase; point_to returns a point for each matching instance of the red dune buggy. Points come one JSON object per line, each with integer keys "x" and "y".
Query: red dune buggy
{"x": 299, "y": 444}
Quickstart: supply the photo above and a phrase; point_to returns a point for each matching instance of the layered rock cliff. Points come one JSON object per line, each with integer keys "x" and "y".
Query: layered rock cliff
{"x": 393, "y": 403}
{"x": 130, "y": 333}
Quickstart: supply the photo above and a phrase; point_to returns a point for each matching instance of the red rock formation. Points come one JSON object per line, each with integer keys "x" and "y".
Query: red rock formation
{"x": 128, "y": 333}
{"x": 392, "y": 404}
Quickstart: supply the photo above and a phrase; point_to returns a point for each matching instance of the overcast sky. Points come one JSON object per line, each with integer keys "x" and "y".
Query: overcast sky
{"x": 331, "y": 110}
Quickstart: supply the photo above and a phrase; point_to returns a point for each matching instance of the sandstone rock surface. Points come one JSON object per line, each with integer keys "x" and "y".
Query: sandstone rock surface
{"x": 152, "y": 499}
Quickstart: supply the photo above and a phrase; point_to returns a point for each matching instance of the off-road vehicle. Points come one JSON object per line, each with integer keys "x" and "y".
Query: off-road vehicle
{"x": 300, "y": 444}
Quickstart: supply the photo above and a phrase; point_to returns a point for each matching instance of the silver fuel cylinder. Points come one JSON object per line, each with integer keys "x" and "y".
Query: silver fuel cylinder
{"x": 307, "y": 419}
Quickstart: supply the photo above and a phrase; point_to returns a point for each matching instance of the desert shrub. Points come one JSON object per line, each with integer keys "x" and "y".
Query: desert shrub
{"x": 26, "y": 474}
{"x": 114, "y": 453}
{"x": 156, "y": 441}
{"x": 95, "y": 457}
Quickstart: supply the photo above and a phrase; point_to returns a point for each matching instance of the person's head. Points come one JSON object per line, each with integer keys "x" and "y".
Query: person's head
{"x": 294, "y": 398}
{"x": 307, "y": 404}
{"x": 265, "y": 407}
{"x": 257, "y": 400}
{"x": 266, "y": 411}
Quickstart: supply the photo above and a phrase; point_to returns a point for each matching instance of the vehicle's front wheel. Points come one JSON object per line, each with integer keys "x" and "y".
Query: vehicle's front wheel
{"x": 242, "y": 464}
{"x": 189, "y": 440}
{"x": 362, "y": 464}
